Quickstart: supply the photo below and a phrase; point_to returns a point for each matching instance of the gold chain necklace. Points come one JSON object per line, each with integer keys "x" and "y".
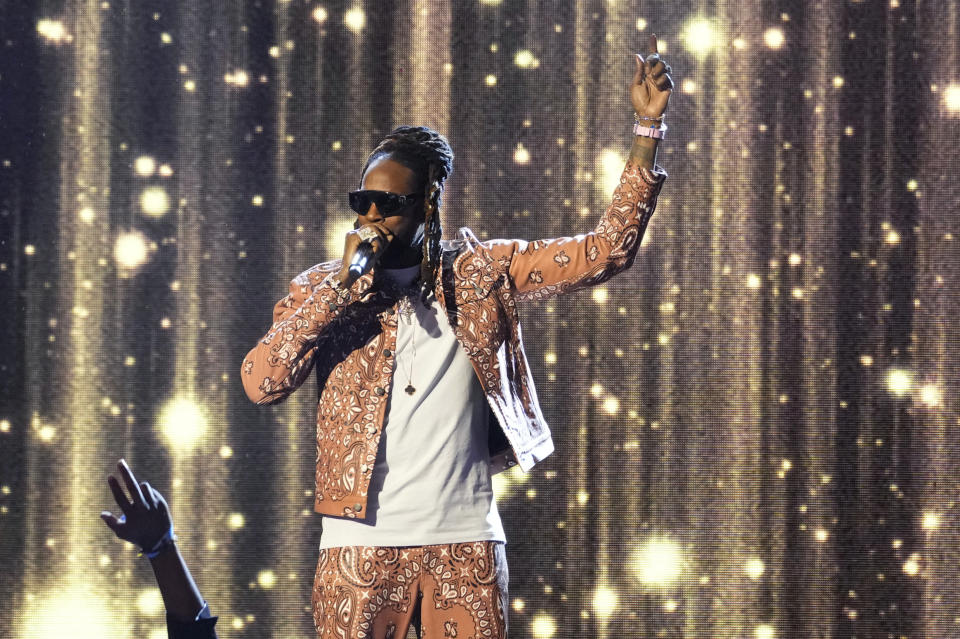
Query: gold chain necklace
{"x": 405, "y": 307}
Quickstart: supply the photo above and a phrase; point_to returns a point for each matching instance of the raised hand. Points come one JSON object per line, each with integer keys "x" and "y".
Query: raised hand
{"x": 146, "y": 516}
{"x": 652, "y": 85}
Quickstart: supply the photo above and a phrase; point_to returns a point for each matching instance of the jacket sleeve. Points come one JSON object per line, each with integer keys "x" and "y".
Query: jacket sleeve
{"x": 543, "y": 268}
{"x": 283, "y": 358}
{"x": 201, "y": 628}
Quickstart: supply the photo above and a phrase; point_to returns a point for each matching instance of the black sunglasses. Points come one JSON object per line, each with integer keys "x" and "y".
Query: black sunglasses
{"x": 387, "y": 203}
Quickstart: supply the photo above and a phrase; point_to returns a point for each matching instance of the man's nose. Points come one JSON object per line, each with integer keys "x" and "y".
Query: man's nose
{"x": 372, "y": 214}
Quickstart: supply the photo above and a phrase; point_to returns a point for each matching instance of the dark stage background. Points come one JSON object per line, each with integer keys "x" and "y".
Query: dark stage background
{"x": 756, "y": 424}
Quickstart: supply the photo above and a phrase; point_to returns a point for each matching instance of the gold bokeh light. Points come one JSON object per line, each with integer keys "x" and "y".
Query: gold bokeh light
{"x": 131, "y": 250}
{"x": 930, "y": 521}
{"x": 144, "y": 166}
{"x": 899, "y": 382}
{"x": 755, "y": 568}
{"x": 774, "y": 38}
{"x": 267, "y": 579}
{"x": 525, "y": 59}
{"x": 149, "y": 602}
{"x": 930, "y": 395}
{"x": 355, "y": 19}
{"x": 505, "y": 484}
{"x": 53, "y": 31}
{"x": 521, "y": 155}
{"x": 609, "y": 166}
{"x": 658, "y": 562}
{"x": 154, "y": 202}
{"x": 765, "y": 631}
{"x": 604, "y": 602}
{"x": 951, "y": 98}
{"x": 699, "y": 36}
{"x": 183, "y": 423}
{"x": 543, "y": 626}
{"x": 72, "y": 610}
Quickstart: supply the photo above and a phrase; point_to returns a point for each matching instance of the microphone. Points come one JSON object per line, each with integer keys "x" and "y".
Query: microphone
{"x": 361, "y": 260}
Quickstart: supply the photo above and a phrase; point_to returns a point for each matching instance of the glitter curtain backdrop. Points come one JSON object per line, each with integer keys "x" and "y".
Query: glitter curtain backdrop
{"x": 756, "y": 424}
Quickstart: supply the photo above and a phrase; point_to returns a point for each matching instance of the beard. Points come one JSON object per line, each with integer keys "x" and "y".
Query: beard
{"x": 400, "y": 254}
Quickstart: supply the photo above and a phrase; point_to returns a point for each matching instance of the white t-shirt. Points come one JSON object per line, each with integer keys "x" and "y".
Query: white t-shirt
{"x": 431, "y": 483}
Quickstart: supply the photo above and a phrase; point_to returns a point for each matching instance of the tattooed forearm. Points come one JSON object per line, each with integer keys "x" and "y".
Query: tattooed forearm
{"x": 644, "y": 152}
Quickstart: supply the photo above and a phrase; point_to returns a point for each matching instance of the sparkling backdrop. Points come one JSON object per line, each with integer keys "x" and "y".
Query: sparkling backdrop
{"x": 756, "y": 424}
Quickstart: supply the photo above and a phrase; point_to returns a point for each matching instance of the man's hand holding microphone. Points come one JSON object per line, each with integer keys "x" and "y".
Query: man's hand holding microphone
{"x": 362, "y": 248}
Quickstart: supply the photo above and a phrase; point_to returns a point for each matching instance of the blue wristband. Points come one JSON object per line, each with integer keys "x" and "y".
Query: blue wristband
{"x": 167, "y": 540}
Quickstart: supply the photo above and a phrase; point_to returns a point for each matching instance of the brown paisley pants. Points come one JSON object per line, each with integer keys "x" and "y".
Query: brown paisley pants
{"x": 447, "y": 590}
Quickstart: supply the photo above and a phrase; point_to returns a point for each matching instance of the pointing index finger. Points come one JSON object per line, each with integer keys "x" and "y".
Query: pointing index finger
{"x": 652, "y": 44}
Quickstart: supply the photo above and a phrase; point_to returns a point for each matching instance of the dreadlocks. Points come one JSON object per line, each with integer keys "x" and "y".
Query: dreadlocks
{"x": 429, "y": 156}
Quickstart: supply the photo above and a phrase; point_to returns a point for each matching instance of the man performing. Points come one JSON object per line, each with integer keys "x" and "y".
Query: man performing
{"x": 425, "y": 391}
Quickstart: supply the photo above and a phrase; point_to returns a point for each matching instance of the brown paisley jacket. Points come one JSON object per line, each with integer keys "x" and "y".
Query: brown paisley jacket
{"x": 350, "y": 343}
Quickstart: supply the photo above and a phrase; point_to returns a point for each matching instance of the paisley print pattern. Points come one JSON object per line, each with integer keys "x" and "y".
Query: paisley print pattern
{"x": 454, "y": 590}
{"x": 350, "y": 342}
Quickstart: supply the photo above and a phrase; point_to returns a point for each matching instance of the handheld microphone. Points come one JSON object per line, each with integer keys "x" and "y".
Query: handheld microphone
{"x": 361, "y": 260}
